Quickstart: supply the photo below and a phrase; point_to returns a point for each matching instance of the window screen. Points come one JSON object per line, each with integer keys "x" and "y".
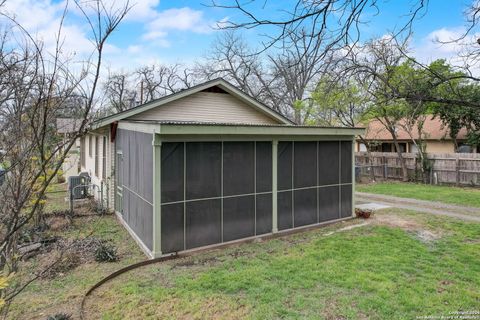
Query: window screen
{"x": 83, "y": 141}
{"x": 90, "y": 146}
{"x": 97, "y": 156}
{"x": 104, "y": 158}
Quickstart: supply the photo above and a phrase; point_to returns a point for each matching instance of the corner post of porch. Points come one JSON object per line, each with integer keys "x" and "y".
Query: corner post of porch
{"x": 157, "y": 208}
{"x": 354, "y": 176}
{"x": 274, "y": 186}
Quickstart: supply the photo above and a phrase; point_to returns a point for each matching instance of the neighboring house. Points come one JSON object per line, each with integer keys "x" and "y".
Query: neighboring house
{"x": 435, "y": 134}
{"x": 68, "y": 126}
{"x": 210, "y": 164}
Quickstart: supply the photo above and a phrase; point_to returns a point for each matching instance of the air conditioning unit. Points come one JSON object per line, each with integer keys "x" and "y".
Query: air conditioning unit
{"x": 78, "y": 186}
{"x": 86, "y": 176}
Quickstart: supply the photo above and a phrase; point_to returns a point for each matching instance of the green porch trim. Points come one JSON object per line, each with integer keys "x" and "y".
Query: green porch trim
{"x": 353, "y": 178}
{"x": 157, "y": 208}
{"x": 274, "y": 186}
{"x": 285, "y": 130}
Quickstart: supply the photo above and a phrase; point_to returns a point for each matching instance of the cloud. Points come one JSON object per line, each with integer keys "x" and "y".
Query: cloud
{"x": 444, "y": 43}
{"x": 177, "y": 19}
{"x": 140, "y": 10}
{"x": 32, "y": 14}
{"x": 144, "y": 30}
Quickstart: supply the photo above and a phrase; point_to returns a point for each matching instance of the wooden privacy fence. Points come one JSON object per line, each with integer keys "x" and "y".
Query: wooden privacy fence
{"x": 448, "y": 168}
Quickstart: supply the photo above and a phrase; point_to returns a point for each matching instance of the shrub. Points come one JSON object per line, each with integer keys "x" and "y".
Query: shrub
{"x": 60, "y": 316}
{"x": 106, "y": 253}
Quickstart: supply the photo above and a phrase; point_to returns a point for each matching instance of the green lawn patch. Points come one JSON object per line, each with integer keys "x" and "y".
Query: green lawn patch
{"x": 446, "y": 194}
{"x": 399, "y": 266}
{"x": 56, "y": 197}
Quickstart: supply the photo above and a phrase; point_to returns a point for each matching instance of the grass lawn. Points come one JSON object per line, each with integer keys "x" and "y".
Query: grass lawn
{"x": 398, "y": 266}
{"x": 56, "y": 198}
{"x": 446, "y": 194}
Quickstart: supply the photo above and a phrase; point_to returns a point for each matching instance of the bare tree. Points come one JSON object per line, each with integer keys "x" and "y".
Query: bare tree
{"x": 232, "y": 59}
{"x": 335, "y": 23}
{"x": 119, "y": 92}
{"x": 159, "y": 80}
{"x": 282, "y": 80}
{"x": 36, "y": 85}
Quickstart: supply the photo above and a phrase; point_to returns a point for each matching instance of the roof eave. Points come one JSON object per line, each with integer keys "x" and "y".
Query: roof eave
{"x": 179, "y": 130}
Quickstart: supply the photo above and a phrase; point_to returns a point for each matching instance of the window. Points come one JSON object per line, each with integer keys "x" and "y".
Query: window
{"x": 90, "y": 146}
{"x": 104, "y": 158}
{"x": 464, "y": 148}
{"x": 82, "y": 151}
{"x": 97, "y": 149}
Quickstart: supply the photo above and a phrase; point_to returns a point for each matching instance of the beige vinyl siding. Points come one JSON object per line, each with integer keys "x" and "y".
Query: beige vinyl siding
{"x": 207, "y": 107}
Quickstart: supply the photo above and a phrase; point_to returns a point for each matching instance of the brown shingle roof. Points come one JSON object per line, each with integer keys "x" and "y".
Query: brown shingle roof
{"x": 68, "y": 125}
{"x": 433, "y": 129}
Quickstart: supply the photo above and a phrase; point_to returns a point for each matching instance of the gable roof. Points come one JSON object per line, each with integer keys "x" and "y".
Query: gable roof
{"x": 219, "y": 82}
{"x": 433, "y": 129}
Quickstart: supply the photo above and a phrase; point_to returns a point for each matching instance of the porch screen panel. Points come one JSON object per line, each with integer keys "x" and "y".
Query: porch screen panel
{"x": 203, "y": 223}
{"x": 172, "y": 227}
{"x": 172, "y": 174}
{"x": 328, "y": 203}
{"x": 263, "y": 215}
{"x": 214, "y": 192}
{"x": 137, "y": 182}
{"x": 203, "y": 170}
{"x": 238, "y": 217}
{"x": 238, "y": 168}
{"x": 328, "y": 162}
{"x": 284, "y": 210}
{"x": 346, "y": 201}
{"x": 285, "y": 165}
{"x": 315, "y": 182}
{"x": 305, "y": 164}
{"x": 305, "y": 207}
{"x": 263, "y": 166}
{"x": 346, "y": 162}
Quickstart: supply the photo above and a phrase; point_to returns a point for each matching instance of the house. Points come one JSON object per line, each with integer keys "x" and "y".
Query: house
{"x": 436, "y": 135}
{"x": 68, "y": 126}
{"x": 210, "y": 164}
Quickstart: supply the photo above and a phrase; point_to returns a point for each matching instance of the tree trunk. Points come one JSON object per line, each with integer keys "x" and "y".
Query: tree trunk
{"x": 369, "y": 158}
{"x": 401, "y": 158}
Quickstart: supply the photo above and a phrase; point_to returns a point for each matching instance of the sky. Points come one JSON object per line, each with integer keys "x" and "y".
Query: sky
{"x": 181, "y": 31}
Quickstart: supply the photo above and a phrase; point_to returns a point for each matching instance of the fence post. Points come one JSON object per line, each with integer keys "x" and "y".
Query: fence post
{"x": 385, "y": 168}
{"x": 457, "y": 171}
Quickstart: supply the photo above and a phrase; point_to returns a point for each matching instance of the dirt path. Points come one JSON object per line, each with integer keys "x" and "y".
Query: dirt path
{"x": 461, "y": 212}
